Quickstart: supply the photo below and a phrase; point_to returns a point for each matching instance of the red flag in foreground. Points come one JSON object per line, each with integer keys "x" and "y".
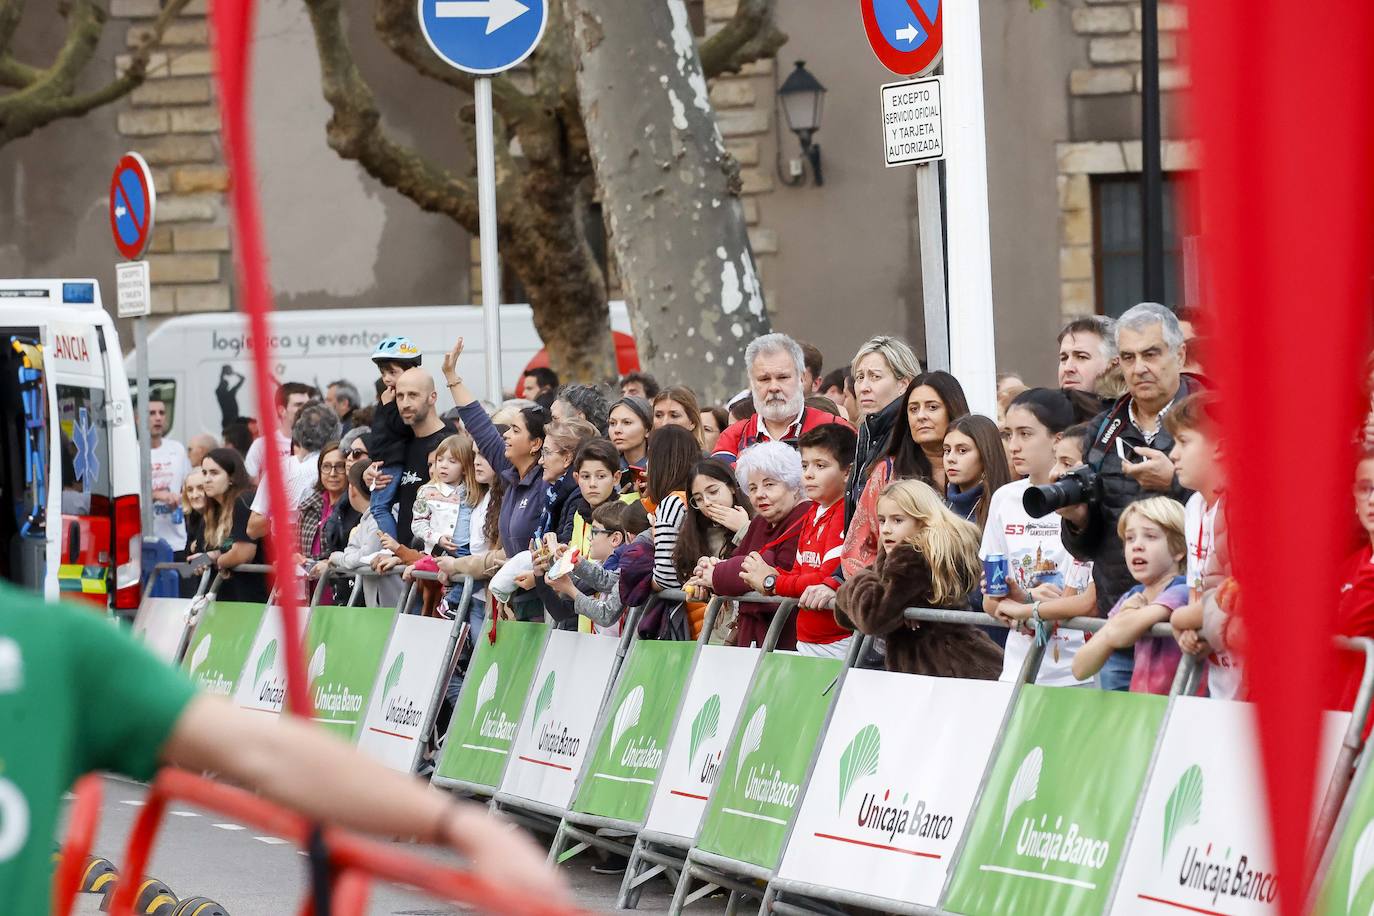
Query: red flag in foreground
{"x": 1284, "y": 108}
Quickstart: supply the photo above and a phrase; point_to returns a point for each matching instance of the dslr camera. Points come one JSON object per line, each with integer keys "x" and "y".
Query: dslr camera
{"x": 1076, "y": 487}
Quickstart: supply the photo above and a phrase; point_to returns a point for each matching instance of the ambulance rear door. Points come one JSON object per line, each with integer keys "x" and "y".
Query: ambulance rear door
{"x": 81, "y": 508}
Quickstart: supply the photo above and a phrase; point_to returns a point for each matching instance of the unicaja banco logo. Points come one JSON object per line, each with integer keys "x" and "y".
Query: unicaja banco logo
{"x": 1213, "y": 870}
{"x": 1361, "y": 864}
{"x": 317, "y": 660}
{"x": 543, "y": 701}
{"x": 1024, "y": 785}
{"x": 1184, "y": 807}
{"x": 11, "y": 666}
{"x": 752, "y": 738}
{"x": 627, "y": 716}
{"x": 202, "y": 652}
{"x": 486, "y": 690}
{"x": 859, "y": 759}
{"x": 704, "y": 725}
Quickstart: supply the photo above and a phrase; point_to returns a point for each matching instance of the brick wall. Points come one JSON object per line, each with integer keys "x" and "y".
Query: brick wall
{"x": 172, "y": 120}
{"x": 1111, "y": 30}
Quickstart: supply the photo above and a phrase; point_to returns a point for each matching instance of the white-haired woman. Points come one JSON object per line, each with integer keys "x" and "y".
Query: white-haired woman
{"x": 770, "y": 473}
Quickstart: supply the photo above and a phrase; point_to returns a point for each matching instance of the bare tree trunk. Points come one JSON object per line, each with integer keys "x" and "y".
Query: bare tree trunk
{"x": 669, "y": 190}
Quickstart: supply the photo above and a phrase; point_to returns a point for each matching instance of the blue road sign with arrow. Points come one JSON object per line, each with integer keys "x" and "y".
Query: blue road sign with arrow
{"x": 483, "y": 37}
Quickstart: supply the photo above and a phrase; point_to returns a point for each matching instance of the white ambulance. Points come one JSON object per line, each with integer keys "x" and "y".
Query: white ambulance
{"x": 69, "y": 476}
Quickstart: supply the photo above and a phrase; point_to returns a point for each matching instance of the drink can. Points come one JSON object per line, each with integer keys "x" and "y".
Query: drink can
{"x": 995, "y": 571}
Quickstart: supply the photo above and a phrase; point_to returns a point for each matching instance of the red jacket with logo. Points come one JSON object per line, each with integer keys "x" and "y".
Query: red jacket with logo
{"x": 736, "y": 437}
{"x": 819, "y": 548}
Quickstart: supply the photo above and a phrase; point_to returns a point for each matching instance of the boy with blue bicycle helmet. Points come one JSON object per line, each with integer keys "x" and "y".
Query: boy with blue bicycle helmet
{"x": 390, "y": 435}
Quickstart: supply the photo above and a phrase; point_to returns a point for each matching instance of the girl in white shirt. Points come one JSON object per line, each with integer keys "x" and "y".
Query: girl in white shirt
{"x": 1044, "y": 581}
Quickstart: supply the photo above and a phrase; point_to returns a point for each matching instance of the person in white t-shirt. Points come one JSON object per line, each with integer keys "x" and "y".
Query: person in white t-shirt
{"x": 1045, "y": 583}
{"x": 1197, "y": 458}
{"x": 317, "y": 426}
{"x": 167, "y": 472}
{"x": 290, "y": 397}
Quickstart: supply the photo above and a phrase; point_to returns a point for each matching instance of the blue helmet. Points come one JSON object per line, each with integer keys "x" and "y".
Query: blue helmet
{"x": 397, "y": 350}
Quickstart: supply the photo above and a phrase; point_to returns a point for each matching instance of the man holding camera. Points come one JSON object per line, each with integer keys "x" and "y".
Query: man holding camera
{"x": 1129, "y": 452}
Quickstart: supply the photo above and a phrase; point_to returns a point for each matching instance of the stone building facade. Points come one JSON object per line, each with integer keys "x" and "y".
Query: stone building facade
{"x": 838, "y": 261}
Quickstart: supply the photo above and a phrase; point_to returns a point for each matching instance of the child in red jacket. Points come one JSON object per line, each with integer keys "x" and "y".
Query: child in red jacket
{"x": 826, "y": 454}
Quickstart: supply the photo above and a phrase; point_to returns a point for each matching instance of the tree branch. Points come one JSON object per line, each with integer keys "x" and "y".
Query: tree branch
{"x": 11, "y": 11}
{"x": 16, "y": 74}
{"x": 48, "y": 95}
{"x": 750, "y": 35}
{"x": 355, "y": 129}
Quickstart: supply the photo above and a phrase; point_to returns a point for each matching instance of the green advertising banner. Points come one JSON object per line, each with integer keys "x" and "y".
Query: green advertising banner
{"x": 220, "y": 645}
{"x": 758, "y": 789}
{"x": 1048, "y": 834}
{"x": 619, "y": 780}
{"x": 344, "y": 646}
{"x": 489, "y": 706}
{"x": 1347, "y": 887}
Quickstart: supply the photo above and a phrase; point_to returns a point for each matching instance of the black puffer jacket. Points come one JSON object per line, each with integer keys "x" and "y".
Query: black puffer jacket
{"x": 874, "y": 431}
{"x": 1099, "y": 542}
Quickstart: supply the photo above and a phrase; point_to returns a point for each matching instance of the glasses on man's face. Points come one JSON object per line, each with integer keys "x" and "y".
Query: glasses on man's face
{"x": 333, "y": 468}
{"x": 1363, "y": 489}
{"x": 599, "y": 531}
{"x": 357, "y": 453}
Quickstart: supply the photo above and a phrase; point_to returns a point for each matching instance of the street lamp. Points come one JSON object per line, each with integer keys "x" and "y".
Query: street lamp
{"x": 802, "y": 97}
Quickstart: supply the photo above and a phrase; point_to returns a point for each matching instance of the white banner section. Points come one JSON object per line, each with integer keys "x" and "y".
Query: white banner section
{"x": 894, "y": 784}
{"x": 161, "y": 624}
{"x": 262, "y": 686}
{"x": 710, "y": 707}
{"x": 555, "y": 731}
{"x": 1202, "y": 842}
{"x": 414, "y": 661}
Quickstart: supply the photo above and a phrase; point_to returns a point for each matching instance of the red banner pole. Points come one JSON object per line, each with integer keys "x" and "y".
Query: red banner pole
{"x": 1286, "y": 197}
{"x": 233, "y": 33}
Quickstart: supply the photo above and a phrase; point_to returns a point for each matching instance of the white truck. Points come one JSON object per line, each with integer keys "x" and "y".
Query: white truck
{"x": 69, "y": 462}
{"x": 200, "y": 364}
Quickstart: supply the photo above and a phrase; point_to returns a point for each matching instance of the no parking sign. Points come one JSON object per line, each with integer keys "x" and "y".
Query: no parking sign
{"x": 906, "y": 35}
{"x": 133, "y": 201}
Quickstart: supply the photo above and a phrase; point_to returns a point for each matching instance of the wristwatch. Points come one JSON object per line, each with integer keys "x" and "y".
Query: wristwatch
{"x": 769, "y": 583}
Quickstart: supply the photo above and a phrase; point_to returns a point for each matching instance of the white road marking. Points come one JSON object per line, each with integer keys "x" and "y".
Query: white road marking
{"x": 230, "y": 826}
{"x": 132, "y": 802}
{"x": 186, "y": 814}
{"x": 271, "y": 840}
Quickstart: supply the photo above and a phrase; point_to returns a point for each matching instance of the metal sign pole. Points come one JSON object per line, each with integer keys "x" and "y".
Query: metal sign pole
{"x": 145, "y": 433}
{"x": 486, "y": 215}
{"x": 931, "y": 224}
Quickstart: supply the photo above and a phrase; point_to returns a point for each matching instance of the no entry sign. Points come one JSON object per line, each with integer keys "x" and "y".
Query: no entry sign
{"x": 907, "y": 35}
{"x": 132, "y": 202}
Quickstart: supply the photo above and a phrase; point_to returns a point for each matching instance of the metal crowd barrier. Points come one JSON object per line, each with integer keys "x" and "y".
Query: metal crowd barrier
{"x": 537, "y": 815}
{"x": 583, "y": 828}
{"x": 667, "y": 852}
{"x": 1187, "y": 678}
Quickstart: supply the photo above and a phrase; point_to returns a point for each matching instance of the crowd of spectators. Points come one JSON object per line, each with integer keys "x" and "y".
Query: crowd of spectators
{"x": 859, "y": 493}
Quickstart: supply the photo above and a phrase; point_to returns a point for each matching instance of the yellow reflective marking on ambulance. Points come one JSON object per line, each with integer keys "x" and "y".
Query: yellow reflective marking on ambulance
{"x": 89, "y": 580}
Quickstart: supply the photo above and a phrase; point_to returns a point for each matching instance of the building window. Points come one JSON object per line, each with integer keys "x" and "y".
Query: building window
{"x": 1118, "y": 256}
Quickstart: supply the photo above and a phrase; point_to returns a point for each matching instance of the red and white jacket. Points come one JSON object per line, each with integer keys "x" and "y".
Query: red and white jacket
{"x": 819, "y": 547}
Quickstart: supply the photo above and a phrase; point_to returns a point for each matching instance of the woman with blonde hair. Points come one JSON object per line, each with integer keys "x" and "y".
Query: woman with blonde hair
{"x": 927, "y": 557}
{"x": 678, "y": 406}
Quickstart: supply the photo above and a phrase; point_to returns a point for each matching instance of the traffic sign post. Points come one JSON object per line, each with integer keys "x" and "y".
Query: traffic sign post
{"x": 484, "y": 38}
{"x": 907, "y": 36}
{"x": 133, "y": 206}
{"x": 913, "y": 134}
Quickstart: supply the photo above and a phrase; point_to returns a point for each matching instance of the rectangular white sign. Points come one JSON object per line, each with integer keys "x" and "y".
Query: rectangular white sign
{"x": 894, "y": 784}
{"x": 710, "y": 707}
{"x": 133, "y": 291}
{"x": 1202, "y": 842}
{"x": 913, "y": 123}
{"x": 412, "y": 664}
{"x": 554, "y": 736}
{"x": 161, "y": 623}
{"x": 262, "y": 686}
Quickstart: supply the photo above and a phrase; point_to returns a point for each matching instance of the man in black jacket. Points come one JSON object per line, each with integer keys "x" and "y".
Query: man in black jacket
{"x": 1130, "y": 449}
